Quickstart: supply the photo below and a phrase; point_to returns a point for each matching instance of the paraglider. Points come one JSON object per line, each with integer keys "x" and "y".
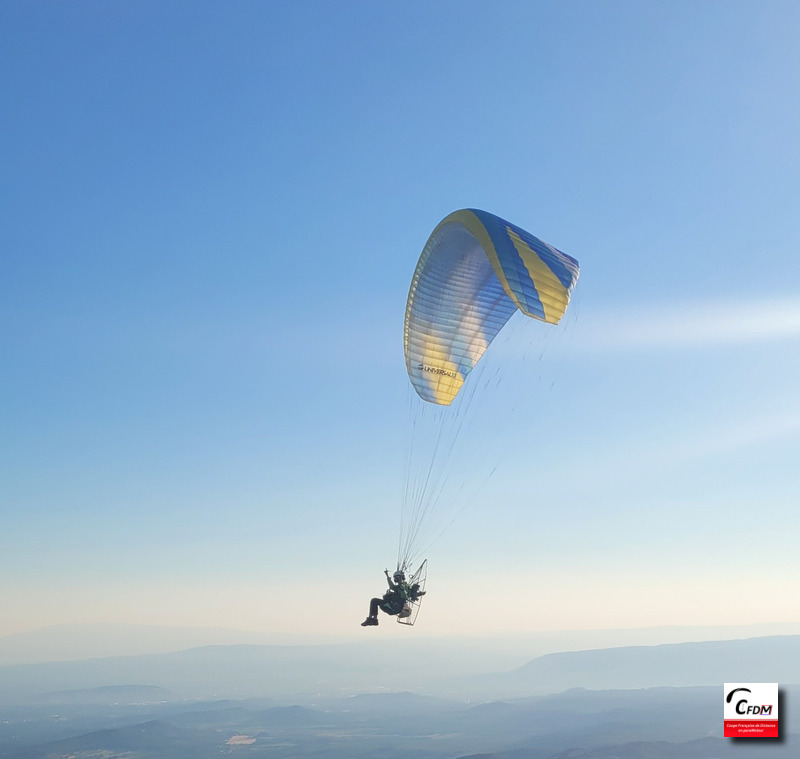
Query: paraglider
{"x": 475, "y": 272}
{"x": 401, "y": 600}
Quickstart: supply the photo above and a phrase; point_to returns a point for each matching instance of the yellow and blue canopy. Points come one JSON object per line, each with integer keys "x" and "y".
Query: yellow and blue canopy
{"x": 475, "y": 271}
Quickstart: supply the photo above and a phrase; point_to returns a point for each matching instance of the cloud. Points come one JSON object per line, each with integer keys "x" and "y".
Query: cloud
{"x": 635, "y": 458}
{"x": 690, "y": 324}
{"x": 752, "y": 432}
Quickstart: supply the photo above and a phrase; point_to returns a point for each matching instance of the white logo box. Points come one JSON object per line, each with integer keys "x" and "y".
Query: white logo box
{"x": 750, "y": 710}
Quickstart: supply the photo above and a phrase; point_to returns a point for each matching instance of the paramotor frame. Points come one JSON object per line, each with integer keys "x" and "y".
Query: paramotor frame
{"x": 411, "y": 609}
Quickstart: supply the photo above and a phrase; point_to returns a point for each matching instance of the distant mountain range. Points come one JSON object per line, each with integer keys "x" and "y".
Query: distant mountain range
{"x": 108, "y": 694}
{"x": 658, "y": 723}
{"x": 772, "y": 659}
{"x": 326, "y": 671}
{"x": 701, "y": 748}
{"x": 150, "y": 738}
{"x": 84, "y": 641}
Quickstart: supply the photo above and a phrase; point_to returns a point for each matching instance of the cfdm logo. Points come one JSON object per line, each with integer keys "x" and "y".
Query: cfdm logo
{"x": 750, "y": 710}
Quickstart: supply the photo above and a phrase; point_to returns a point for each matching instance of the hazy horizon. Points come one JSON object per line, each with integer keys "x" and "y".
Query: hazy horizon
{"x": 83, "y": 641}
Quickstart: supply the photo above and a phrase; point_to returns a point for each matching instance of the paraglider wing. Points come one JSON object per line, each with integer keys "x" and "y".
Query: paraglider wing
{"x": 475, "y": 271}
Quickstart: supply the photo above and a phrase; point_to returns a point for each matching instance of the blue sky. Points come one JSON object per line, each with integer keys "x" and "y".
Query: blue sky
{"x": 211, "y": 217}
